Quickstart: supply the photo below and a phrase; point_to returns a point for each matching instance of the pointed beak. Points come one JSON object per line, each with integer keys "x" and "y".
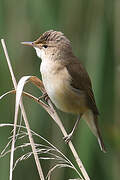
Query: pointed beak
{"x": 28, "y": 43}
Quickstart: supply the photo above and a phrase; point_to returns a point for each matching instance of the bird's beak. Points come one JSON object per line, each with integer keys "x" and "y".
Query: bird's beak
{"x": 28, "y": 43}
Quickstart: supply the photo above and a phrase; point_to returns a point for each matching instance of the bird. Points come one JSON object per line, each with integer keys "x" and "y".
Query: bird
{"x": 66, "y": 80}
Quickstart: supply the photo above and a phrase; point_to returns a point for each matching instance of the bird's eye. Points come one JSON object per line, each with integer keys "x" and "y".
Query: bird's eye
{"x": 45, "y": 46}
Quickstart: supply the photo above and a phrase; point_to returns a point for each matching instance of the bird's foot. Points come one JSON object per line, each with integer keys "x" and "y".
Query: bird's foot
{"x": 68, "y": 137}
{"x": 44, "y": 96}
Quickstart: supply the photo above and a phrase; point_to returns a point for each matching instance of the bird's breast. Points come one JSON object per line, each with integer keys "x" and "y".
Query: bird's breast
{"x": 56, "y": 80}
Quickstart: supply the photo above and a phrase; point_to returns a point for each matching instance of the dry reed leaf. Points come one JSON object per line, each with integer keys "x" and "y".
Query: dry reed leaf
{"x": 37, "y": 82}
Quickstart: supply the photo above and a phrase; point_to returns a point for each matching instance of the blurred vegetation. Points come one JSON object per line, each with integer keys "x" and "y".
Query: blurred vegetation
{"x": 93, "y": 28}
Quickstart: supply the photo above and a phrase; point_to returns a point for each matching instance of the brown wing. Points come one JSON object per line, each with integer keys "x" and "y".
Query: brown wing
{"x": 81, "y": 81}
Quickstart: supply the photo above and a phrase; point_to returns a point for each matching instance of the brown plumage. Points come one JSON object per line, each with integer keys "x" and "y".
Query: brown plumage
{"x": 81, "y": 81}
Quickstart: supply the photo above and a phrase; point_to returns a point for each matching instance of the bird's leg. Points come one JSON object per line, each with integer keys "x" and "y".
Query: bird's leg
{"x": 44, "y": 96}
{"x": 68, "y": 137}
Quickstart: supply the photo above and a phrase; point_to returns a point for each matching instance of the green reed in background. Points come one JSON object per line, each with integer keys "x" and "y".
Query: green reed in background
{"x": 93, "y": 27}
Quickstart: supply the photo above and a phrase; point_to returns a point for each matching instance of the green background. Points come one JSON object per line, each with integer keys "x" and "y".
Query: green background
{"x": 94, "y": 30}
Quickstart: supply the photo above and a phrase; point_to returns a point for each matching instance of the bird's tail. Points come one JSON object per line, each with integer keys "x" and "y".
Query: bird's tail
{"x": 92, "y": 122}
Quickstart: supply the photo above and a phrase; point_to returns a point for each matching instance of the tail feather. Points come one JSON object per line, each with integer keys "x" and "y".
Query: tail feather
{"x": 101, "y": 144}
{"x": 92, "y": 122}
